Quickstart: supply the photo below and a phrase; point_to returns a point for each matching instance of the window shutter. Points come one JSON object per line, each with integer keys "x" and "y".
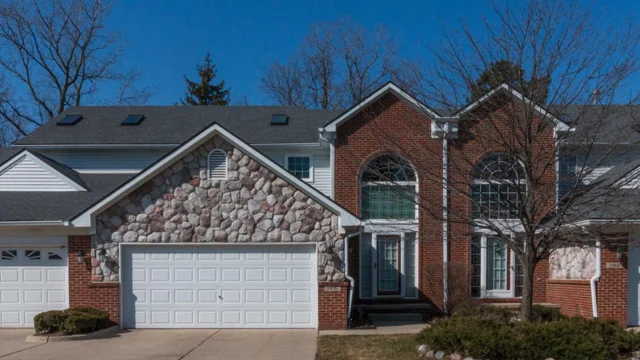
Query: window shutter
{"x": 217, "y": 165}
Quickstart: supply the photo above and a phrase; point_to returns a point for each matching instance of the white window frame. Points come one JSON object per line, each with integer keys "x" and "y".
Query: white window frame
{"x": 511, "y": 273}
{"x": 310, "y": 156}
{"x": 226, "y": 164}
{"x": 374, "y": 272}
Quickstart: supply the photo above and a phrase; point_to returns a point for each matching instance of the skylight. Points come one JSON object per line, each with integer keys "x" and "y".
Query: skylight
{"x": 133, "y": 119}
{"x": 70, "y": 120}
{"x": 279, "y": 119}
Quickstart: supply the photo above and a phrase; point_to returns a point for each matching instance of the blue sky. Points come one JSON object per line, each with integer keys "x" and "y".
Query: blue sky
{"x": 166, "y": 39}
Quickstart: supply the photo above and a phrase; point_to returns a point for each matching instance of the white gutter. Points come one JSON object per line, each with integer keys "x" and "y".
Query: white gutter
{"x": 352, "y": 282}
{"x": 35, "y": 223}
{"x": 445, "y": 222}
{"x": 596, "y": 277}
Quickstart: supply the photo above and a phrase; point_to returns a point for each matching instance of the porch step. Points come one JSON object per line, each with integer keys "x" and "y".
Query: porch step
{"x": 405, "y": 318}
{"x": 406, "y": 307}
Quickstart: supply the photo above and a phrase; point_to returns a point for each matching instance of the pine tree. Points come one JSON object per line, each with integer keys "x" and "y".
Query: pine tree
{"x": 504, "y": 71}
{"x": 204, "y": 92}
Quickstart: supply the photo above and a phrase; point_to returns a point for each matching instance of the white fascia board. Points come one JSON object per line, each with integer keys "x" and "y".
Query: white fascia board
{"x": 85, "y": 219}
{"x": 26, "y": 154}
{"x": 560, "y": 126}
{"x": 390, "y": 87}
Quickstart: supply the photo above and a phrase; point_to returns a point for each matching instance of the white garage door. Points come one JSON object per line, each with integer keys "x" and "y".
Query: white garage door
{"x": 205, "y": 286}
{"x": 32, "y": 280}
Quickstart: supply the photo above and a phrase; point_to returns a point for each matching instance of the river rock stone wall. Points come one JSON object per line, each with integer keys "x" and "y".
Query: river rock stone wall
{"x": 181, "y": 205}
{"x": 572, "y": 263}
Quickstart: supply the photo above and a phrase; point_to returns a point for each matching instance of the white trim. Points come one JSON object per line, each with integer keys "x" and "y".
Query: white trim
{"x": 301, "y": 155}
{"x": 560, "y": 126}
{"x": 389, "y": 87}
{"x": 510, "y": 272}
{"x": 289, "y": 144}
{"x": 35, "y": 223}
{"x": 106, "y": 172}
{"x": 87, "y": 218}
{"x": 25, "y": 154}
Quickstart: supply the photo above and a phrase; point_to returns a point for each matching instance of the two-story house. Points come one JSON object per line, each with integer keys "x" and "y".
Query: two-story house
{"x": 258, "y": 217}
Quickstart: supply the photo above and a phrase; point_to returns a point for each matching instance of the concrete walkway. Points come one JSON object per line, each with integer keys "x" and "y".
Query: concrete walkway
{"x": 168, "y": 345}
{"x": 386, "y": 329}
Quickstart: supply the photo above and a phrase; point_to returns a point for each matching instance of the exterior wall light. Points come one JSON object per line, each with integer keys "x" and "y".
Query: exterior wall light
{"x": 80, "y": 257}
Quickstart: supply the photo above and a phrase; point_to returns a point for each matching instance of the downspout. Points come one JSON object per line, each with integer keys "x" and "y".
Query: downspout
{"x": 445, "y": 222}
{"x": 596, "y": 277}
{"x": 352, "y": 282}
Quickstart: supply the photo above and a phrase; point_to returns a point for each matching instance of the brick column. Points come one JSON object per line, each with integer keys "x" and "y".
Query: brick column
{"x": 612, "y": 287}
{"x": 333, "y": 299}
{"x": 82, "y": 291}
{"x": 573, "y": 296}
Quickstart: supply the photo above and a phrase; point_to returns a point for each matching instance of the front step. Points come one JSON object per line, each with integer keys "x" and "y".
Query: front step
{"x": 404, "y": 318}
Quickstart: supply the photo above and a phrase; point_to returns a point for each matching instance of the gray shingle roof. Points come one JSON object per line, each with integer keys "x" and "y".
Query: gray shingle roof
{"x": 50, "y": 206}
{"x": 175, "y": 124}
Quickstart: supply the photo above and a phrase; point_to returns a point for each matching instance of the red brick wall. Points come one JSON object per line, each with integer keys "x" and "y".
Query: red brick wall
{"x": 332, "y": 305}
{"x": 612, "y": 288}
{"x": 573, "y": 296}
{"x": 83, "y": 292}
{"x": 366, "y": 136}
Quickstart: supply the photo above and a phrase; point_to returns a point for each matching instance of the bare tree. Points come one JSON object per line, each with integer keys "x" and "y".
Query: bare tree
{"x": 56, "y": 54}
{"x": 337, "y": 65}
{"x": 503, "y": 152}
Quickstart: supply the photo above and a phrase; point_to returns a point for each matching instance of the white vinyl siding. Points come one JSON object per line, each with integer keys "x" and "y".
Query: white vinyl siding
{"x": 601, "y": 161}
{"x": 26, "y": 174}
{"x": 217, "y": 165}
{"x": 94, "y": 161}
{"x": 321, "y": 164}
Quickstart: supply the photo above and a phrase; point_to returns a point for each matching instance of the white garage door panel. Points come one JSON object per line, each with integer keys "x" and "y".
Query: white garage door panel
{"x": 31, "y": 281}
{"x": 219, "y": 286}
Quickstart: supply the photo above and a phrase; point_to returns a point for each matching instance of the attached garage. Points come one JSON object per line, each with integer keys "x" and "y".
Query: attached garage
{"x": 32, "y": 280}
{"x": 219, "y": 286}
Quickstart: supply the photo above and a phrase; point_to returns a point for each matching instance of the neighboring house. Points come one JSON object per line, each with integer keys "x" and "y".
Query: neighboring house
{"x": 249, "y": 217}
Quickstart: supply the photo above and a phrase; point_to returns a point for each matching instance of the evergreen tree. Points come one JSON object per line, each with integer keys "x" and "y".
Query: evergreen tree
{"x": 504, "y": 71}
{"x": 204, "y": 92}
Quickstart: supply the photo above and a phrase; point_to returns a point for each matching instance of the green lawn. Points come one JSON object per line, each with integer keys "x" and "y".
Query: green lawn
{"x": 378, "y": 347}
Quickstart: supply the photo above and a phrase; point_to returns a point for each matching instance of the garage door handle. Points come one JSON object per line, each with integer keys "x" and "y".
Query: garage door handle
{"x": 220, "y": 297}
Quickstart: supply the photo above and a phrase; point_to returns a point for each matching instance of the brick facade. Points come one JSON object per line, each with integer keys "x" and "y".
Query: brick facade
{"x": 332, "y": 305}
{"x": 573, "y": 296}
{"x": 612, "y": 287}
{"x": 82, "y": 291}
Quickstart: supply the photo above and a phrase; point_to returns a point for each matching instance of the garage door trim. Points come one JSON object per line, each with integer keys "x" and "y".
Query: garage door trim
{"x": 249, "y": 244}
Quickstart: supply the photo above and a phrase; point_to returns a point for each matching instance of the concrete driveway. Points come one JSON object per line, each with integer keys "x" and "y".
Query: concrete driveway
{"x": 169, "y": 345}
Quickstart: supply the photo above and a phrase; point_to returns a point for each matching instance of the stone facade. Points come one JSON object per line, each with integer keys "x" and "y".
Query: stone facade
{"x": 181, "y": 205}
{"x": 572, "y": 263}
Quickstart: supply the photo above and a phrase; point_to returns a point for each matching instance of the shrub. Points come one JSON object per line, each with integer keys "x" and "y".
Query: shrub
{"x": 487, "y": 332}
{"x": 102, "y": 317}
{"x": 541, "y": 313}
{"x": 71, "y": 321}
{"x": 49, "y": 321}
{"x": 488, "y": 312}
{"x": 77, "y": 323}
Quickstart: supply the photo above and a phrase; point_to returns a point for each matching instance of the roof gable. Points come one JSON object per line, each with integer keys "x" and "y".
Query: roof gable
{"x": 516, "y": 95}
{"x": 87, "y": 217}
{"x": 27, "y": 171}
{"x": 389, "y": 87}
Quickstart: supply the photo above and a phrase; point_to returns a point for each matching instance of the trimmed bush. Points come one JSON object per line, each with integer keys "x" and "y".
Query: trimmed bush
{"x": 77, "y": 323}
{"x": 490, "y": 333}
{"x": 541, "y": 313}
{"x": 102, "y": 317}
{"x": 49, "y": 321}
{"x": 71, "y": 321}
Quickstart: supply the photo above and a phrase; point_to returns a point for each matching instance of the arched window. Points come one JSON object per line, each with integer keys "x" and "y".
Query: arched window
{"x": 498, "y": 187}
{"x": 217, "y": 165}
{"x": 388, "y": 189}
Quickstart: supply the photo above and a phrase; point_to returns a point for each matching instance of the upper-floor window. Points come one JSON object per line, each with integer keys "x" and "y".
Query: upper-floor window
{"x": 217, "y": 165}
{"x": 300, "y": 165}
{"x": 498, "y": 187}
{"x": 388, "y": 188}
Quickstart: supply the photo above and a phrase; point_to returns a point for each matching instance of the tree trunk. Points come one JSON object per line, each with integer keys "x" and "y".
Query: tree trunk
{"x": 528, "y": 267}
